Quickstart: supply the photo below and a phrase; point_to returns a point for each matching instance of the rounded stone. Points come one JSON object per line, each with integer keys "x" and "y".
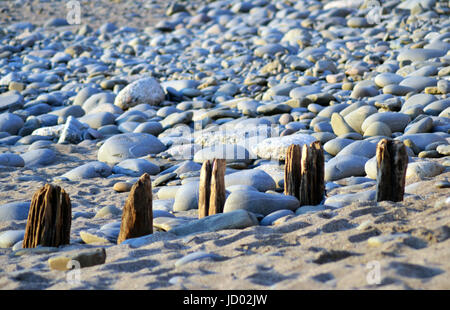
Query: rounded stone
{"x": 39, "y": 157}
{"x": 135, "y": 167}
{"x": 146, "y": 90}
{"x": 344, "y": 166}
{"x": 10, "y": 123}
{"x": 95, "y": 169}
{"x": 378, "y": 129}
{"x": 395, "y": 120}
{"x": 129, "y": 145}
{"x": 259, "y": 203}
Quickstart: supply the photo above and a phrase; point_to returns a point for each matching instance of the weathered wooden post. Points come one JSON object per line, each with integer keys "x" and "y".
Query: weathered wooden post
{"x": 218, "y": 196}
{"x": 304, "y": 173}
{"x": 204, "y": 190}
{"x": 49, "y": 219}
{"x": 212, "y": 194}
{"x": 392, "y": 162}
{"x": 292, "y": 171}
{"x": 312, "y": 174}
{"x": 137, "y": 215}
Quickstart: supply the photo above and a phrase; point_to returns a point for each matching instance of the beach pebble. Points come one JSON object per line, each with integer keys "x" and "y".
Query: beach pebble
{"x": 11, "y": 101}
{"x": 10, "y": 123}
{"x": 229, "y": 152}
{"x": 345, "y": 166}
{"x": 186, "y": 197}
{"x": 39, "y": 157}
{"x": 395, "y": 120}
{"x": 128, "y": 145}
{"x": 422, "y": 140}
{"x": 256, "y": 178}
{"x": 359, "y": 148}
{"x": 259, "y": 203}
{"x": 14, "y": 211}
{"x": 94, "y": 238}
{"x": 94, "y": 169}
{"x": 237, "y": 219}
{"x": 82, "y": 258}
{"x": 276, "y": 147}
{"x": 11, "y": 160}
{"x": 145, "y": 90}
{"x": 135, "y": 167}
{"x": 10, "y": 237}
{"x": 424, "y": 169}
{"x": 122, "y": 187}
{"x": 272, "y": 217}
{"x": 341, "y": 200}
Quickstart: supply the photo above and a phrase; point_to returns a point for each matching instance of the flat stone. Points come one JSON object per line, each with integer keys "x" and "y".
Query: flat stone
{"x": 421, "y": 126}
{"x": 11, "y": 101}
{"x": 424, "y": 169}
{"x": 275, "y": 148}
{"x": 135, "y": 167}
{"x": 11, "y": 160}
{"x": 395, "y": 120}
{"x": 129, "y": 145}
{"x": 334, "y": 146}
{"x": 419, "y": 83}
{"x": 387, "y": 78}
{"x": 229, "y": 152}
{"x": 186, "y": 197}
{"x": 39, "y": 157}
{"x": 359, "y": 148}
{"x": 344, "y": 166}
{"x": 84, "y": 258}
{"x": 422, "y": 140}
{"x": 255, "y": 178}
{"x": 259, "y": 203}
{"x": 99, "y": 119}
{"x": 91, "y": 237}
{"x": 274, "y": 216}
{"x": 237, "y": 219}
{"x": 341, "y": 200}
{"x": 94, "y": 169}
{"x": 14, "y": 211}
{"x": 419, "y": 54}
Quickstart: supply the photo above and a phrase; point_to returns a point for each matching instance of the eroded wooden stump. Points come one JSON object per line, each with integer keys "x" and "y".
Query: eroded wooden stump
{"x": 49, "y": 219}
{"x": 304, "y": 173}
{"x": 312, "y": 174}
{"x": 204, "y": 189}
{"x": 392, "y": 162}
{"x": 292, "y": 171}
{"x": 212, "y": 193}
{"x": 218, "y": 196}
{"x": 137, "y": 215}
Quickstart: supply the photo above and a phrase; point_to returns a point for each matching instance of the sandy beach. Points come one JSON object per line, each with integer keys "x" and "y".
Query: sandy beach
{"x": 348, "y": 242}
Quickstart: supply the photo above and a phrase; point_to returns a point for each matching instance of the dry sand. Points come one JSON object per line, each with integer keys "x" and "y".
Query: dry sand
{"x": 322, "y": 250}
